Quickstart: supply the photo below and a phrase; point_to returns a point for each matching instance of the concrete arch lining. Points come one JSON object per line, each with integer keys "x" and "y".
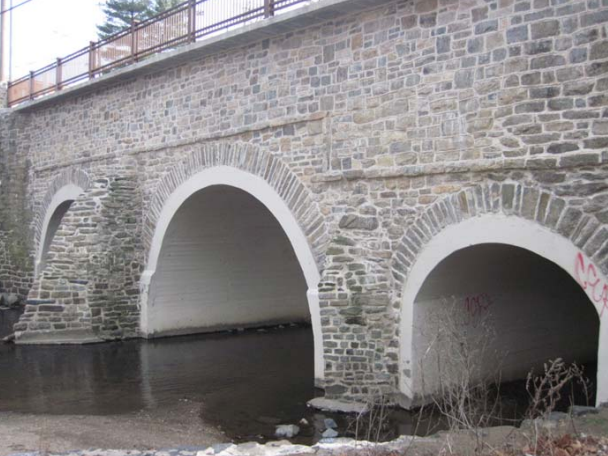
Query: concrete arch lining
{"x": 262, "y": 191}
{"x": 66, "y": 193}
{"x": 500, "y": 229}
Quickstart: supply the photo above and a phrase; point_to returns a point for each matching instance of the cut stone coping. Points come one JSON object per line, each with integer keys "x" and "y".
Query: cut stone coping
{"x": 67, "y": 337}
{"x": 331, "y": 405}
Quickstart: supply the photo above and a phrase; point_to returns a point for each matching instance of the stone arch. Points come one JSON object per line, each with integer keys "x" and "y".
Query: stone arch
{"x": 67, "y": 186}
{"x": 511, "y": 214}
{"x": 252, "y": 160}
{"x": 268, "y": 180}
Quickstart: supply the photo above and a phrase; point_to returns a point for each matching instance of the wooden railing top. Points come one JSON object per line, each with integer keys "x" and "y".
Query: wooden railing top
{"x": 185, "y": 23}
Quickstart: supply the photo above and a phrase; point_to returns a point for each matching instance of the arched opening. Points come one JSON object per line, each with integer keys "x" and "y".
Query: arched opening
{"x": 225, "y": 263}
{"x": 510, "y": 308}
{"x": 56, "y": 210}
{"x": 555, "y": 267}
{"x": 53, "y": 225}
{"x": 227, "y": 252}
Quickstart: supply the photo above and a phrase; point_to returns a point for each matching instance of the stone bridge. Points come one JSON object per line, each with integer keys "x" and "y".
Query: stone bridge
{"x": 384, "y": 169}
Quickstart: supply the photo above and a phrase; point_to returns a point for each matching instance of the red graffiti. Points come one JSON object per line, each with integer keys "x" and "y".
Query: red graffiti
{"x": 587, "y": 277}
{"x": 475, "y": 306}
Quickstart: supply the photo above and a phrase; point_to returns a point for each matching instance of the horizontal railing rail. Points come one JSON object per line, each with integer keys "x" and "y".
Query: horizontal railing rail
{"x": 185, "y": 23}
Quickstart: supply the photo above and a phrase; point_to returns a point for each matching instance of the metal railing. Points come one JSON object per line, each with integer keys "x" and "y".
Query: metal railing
{"x": 182, "y": 24}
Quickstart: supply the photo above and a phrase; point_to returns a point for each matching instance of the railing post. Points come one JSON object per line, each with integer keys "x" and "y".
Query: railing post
{"x": 91, "y": 59}
{"x": 268, "y": 8}
{"x": 31, "y": 85}
{"x": 58, "y": 75}
{"x": 133, "y": 42}
{"x": 192, "y": 20}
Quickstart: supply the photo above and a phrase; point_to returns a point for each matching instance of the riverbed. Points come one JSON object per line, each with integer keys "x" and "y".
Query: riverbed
{"x": 183, "y": 391}
{"x": 239, "y": 378}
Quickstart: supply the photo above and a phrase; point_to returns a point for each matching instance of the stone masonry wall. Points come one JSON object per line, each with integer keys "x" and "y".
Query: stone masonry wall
{"x": 13, "y": 278}
{"x": 90, "y": 286}
{"x": 16, "y": 259}
{"x": 379, "y": 114}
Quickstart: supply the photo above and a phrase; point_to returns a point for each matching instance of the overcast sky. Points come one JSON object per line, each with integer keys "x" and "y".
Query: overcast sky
{"x": 46, "y": 29}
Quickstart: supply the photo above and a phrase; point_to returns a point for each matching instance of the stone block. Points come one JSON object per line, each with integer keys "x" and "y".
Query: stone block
{"x": 600, "y": 127}
{"x": 560, "y": 148}
{"x": 355, "y": 222}
{"x": 544, "y": 29}
{"x": 594, "y": 18}
{"x": 596, "y": 69}
{"x": 596, "y": 143}
{"x": 517, "y": 34}
{"x": 578, "y": 87}
{"x": 486, "y": 27}
{"x": 547, "y": 61}
{"x": 580, "y": 160}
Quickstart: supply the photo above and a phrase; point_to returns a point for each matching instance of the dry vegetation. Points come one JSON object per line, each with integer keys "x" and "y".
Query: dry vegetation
{"x": 468, "y": 398}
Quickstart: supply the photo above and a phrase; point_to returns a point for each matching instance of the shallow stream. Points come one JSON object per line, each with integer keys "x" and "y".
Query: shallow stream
{"x": 246, "y": 382}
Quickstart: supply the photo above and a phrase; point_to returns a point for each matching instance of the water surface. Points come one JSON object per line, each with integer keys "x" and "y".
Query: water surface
{"x": 246, "y": 382}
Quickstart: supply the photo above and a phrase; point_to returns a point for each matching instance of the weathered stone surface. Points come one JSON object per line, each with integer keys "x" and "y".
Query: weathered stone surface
{"x": 355, "y": 222}
{"x": 599, "y": 50}
{"x": 329, "y": 434}
{"x": 547, "y": 61}
{"x": 596, "y": 143}
{"x": 578, "y": 87}
{"x": 322, "y": 403}
{"x": 593, "y": 18}
{"x": 600, "y": 127}
{"x": 464, "y": 79}
{"x": 596, "y": 69}
{"x": 287, "y": 431}
{"x": 486, "y": 27}
{"x": 544, "y": 29}
{"x": 517, "y": 34}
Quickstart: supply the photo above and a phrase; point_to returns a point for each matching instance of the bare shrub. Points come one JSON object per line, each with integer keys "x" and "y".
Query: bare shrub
{"x": 546, "y": 391}
{"x": 585, "y": 384}
{"x": 460, "y": 371}
{"x": 371, "y": 424}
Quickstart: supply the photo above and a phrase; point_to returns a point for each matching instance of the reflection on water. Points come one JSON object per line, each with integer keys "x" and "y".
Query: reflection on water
{"x": 246, "y": 383}
{"x": 238, "y": 378}
{"x": 8, "y": 317}
{"x": 121, "y": 377}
